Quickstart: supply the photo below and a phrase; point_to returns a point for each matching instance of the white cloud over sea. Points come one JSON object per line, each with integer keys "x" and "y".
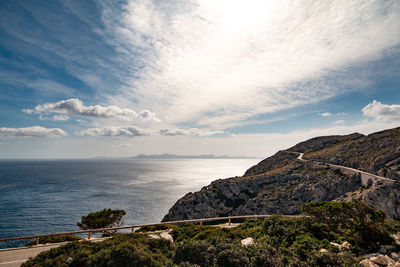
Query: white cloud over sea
{"x": 75, "y": 106}
{"x": 131, "y": 131}
{"x": 192, "y": 131}
{"x": 34, "y": 131}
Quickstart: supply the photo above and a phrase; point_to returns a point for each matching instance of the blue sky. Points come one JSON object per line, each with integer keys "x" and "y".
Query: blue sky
{"x": 119, "y": 78}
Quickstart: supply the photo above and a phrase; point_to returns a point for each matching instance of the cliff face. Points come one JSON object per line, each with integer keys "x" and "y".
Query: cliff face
{"x": 281, "y": 183}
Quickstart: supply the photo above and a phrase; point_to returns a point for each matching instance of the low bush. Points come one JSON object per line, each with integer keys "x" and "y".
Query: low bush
{"x": 105, "y": 218}
{"x": 122, "y": 250}
{"x": 153, "y": 228}
{"x": 361, "y": 225}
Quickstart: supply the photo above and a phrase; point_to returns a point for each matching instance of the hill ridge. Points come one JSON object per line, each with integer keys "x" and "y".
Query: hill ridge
{"x": 282, "y": 182}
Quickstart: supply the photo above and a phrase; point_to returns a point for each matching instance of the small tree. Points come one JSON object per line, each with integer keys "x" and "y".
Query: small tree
{"x": 105, "y": 218}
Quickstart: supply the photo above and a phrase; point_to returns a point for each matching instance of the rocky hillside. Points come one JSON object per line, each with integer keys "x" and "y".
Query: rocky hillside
{"x": 281, "y": 183}
{"x": 377, "y": 153}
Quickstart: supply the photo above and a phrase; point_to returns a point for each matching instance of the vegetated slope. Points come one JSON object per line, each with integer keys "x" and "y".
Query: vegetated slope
{"x": 336, "y": 234}
{"x": 377, "y": 153}
{"x": 314, "y": 144}
{"x": 281, "y": 183}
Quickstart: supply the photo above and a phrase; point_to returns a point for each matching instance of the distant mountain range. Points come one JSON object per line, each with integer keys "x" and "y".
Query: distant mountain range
{"x": 173, "y": 156}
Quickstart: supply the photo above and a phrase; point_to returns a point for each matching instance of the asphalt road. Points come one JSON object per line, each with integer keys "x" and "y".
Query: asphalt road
{"x": 17, "y": 256}
{"x": 300, "y": 157}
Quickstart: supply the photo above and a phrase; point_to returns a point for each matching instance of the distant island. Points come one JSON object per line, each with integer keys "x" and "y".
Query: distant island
{"x": 173, "y": 156}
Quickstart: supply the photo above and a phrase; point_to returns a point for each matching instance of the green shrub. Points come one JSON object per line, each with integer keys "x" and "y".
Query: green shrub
{"x": 105, "y": 218}
{"x": 282, "y": 231}
{"x": 188, "y": 231}
{"x": 234, "y": 256}
{"x": 355, "y": 222}
{"x": 393, "y": 226}
{"x": 343, "y": 214}
{"x": 153, "y": 228}
{"x": 196, "y": 252}
{"x": 122, "y": 250}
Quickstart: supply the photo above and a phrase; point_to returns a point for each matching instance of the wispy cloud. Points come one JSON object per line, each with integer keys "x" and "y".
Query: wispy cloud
{"x": 43, "y": 86}
{"x": 34, "y": 131}
{"x": 76, "y": 107}
{"x": 192, "y": 131}
{"x": 212, "y": 63}
{"x": 326, "y": 114}
{"x": 130, "y": 131}
{"x": 339, "y": 122}
{"x": 380, "y": 111}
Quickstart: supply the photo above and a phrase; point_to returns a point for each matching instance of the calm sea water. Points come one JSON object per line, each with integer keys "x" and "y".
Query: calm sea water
{"x": 38, "y": 197}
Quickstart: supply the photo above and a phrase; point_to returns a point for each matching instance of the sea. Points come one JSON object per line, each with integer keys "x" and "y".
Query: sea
{"x": 48, "y": 196}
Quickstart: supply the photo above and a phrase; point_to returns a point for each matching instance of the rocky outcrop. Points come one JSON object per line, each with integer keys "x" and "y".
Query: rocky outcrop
{"x": 281, "y": 183}
{"x": 382, "y": 194}
{"x": 376, "y": 260}
{"x": 272, "y": 193}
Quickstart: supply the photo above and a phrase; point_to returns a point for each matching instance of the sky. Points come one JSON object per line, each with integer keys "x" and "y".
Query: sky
{"x": 83, "y": 79}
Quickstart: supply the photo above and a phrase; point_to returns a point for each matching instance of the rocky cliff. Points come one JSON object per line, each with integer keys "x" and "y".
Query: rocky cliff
{"x": 281, "y": 183}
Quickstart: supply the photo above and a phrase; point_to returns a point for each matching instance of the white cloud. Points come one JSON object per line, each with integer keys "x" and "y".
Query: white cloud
{"x": 380, "y": 111}
{"x": 34, "y": 131}
{"x": 192, "y": 131}
{"x": 325, "y": 114}
{"x": 339, "y": 122}
{"x": 130, "y": 131}
{"x": 328, "y": 114}
{"x": 54, "y": 118}
{"x": 75, "y": 106}
{"x": 217, "y": 62}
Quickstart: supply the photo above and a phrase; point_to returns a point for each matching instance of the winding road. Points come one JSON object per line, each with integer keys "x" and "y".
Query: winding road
{"x": 365, "y": 176}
